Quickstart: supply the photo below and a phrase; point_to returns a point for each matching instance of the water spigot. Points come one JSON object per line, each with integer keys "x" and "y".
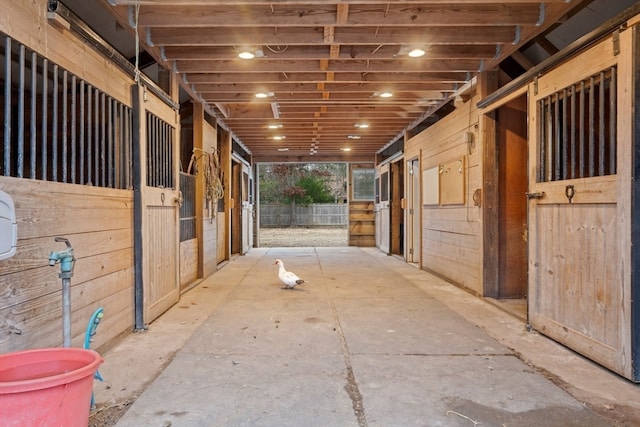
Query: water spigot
{"x": 65, "y": 257}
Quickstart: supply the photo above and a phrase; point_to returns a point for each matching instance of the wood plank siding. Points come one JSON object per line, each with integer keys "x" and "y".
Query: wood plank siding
{"x": 451, "y": 234}
{"x": 97, "y": 222}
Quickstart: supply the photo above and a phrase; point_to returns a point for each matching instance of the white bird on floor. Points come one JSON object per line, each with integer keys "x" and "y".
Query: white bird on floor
{"x": 289, "y": 279}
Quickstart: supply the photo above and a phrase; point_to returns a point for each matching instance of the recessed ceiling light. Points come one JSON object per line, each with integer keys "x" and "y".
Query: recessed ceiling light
{"x": 250, "y": 52}
{"x": 416, "y": 52}
{"x": 385, "y": 95}
{"x": 354, "y": 136}
{"x": 361, "y": 125}
{"x": 279, "y": 137}
{"x": 262, "y": 95}
{"x": 283, "y": 149}
{"x": 345, "y": 149}
{"x": 275, "y": 126}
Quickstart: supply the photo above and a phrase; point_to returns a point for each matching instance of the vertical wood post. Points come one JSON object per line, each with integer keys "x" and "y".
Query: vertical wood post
{"x": 225, "y": 166}
{"x": 198, "y": 147}
{"x": 635, "y": 205}
{"x": 487, "y": 83}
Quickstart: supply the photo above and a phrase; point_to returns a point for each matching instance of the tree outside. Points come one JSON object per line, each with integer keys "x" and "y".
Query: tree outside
{"x": 302, "y": 184}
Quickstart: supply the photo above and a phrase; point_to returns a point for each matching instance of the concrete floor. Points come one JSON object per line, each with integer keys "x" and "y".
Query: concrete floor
{"x": 369, "y": 341}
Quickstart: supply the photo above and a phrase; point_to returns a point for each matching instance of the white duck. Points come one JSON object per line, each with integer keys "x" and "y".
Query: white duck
{"x": 289, "y": 279}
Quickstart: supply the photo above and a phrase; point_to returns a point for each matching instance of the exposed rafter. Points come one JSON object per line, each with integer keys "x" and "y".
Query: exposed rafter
{"x": 323, "y": 65}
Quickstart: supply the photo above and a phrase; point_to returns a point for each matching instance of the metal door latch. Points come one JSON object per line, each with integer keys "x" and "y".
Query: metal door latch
{"x": 530, "y": 196}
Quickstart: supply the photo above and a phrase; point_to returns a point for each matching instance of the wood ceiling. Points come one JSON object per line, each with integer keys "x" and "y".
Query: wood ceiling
{"x": 325, "y": 63}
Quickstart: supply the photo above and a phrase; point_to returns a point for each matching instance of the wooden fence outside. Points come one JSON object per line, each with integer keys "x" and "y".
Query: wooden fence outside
{"x": 313, "y": 215}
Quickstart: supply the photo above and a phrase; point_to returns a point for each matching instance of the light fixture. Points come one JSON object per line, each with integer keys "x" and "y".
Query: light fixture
{"x": 345, "y": 149}
{"x": 264, "y": 94}
{"x": 361, "y": 125}
{"x": 275, "y": 126}
{"x": 250, "y": 52}
{"x": 283, "y": 149}
{"x": 385, "y": 95}
{"x": 279, "y": 137}
{"x": 413, "y": 50}
{"x": 354, "y": 136}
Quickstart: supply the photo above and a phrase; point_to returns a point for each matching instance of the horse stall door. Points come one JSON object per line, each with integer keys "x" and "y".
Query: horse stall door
{"x": 160, "y": 219}
{"x": 236, "y": 208}
{"x": 413, "y": 212}
{"x": 383, "y": 217}
{"x": 576, "y": 273}
{"x": 396, "y": 221}
{"x": 247, "y": 210}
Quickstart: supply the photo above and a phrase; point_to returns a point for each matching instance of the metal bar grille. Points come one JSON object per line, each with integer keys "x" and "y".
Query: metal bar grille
{"x": 57, "y": 127}
{"x": 577, "y": 130}
{"x": 188, "y": 207}
{"x": 7, "y": 106}
{"x": 159, "y": 152}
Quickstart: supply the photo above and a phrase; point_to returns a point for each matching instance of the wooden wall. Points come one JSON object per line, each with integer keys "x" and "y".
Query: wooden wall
{"x": 362, "y": 227}
{"x": 205, "y": 139}
{"x": 452, "y": 233}
{"x": 97, "y": 222}
{"x": 361, "y": 224}
{"x": 188, "y": 263}
{"x": 26, "y": 22}
{"x": 210, "y": 229}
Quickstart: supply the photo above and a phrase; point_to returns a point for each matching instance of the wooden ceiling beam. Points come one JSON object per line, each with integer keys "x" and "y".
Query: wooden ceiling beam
{"x": 417, "y": 85}
{"x": 342, "y": 77}
{"x": 330, "y": 115}
{"x": 330, "y": 14}
{"x": 182, "y": 3}
{"x": 292, "y": 36}
{"x": 338, "y": 66}
{"x": 313, "y": 52}
{"x": 361, "y": 98}
{"x": 323, "y": 60}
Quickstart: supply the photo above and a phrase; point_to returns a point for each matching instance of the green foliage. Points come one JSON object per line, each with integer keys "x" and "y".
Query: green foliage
{"x": 302, "y": 183}
{"x": 316, "y": 189}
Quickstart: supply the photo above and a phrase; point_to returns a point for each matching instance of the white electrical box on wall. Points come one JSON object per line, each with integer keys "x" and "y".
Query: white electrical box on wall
{"x": 8, "y": 226}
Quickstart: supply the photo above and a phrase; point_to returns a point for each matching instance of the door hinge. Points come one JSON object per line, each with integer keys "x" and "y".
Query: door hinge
{"x": 615, "y": 38}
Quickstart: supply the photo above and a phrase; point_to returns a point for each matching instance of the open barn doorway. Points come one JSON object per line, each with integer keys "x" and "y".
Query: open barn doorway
{"x": 302, "y": 204}
{"x": 509, "y": 287}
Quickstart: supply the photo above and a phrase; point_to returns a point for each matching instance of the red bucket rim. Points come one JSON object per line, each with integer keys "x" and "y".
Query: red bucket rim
{"x": 90, "y": 357}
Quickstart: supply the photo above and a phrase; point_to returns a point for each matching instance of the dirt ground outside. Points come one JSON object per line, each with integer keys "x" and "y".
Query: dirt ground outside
{"x": 303, "y": 237}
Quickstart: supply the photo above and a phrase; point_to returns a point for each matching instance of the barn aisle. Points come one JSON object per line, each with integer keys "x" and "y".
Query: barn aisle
{"x": 369, "y": 341}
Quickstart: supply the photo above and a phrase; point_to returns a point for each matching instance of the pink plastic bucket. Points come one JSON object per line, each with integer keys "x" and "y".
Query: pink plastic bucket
{"x": 47, "y": 387}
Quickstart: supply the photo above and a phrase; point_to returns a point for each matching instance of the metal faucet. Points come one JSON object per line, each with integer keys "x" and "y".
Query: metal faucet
{"x": 66, "y": 258}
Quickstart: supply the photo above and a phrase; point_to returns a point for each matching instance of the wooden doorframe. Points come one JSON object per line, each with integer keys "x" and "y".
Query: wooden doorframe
{"x": 223, "y": 216}
{"x": 236, "y": 208}
{"x": 413, "y": 212}
{"x": 487, "y": 83}
{"x": 635, "y": 208}
{"x": 396, "y": 244}
{"x": 511, "y": 135}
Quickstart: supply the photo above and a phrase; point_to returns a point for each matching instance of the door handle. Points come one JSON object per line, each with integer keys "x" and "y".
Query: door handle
{"x": 538, "y": 195}
{"x": 569, "y": 191}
